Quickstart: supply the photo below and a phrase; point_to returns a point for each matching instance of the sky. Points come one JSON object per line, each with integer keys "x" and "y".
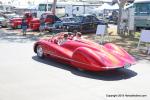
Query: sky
{"x": 22, "y": 1}
{"x": 38, "y": 1}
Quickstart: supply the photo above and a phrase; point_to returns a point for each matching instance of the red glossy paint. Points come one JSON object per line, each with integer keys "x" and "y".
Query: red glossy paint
{"x": 16, "y": 22}
{"x": 85, "y": 54}
{"x": 35, "y": 23}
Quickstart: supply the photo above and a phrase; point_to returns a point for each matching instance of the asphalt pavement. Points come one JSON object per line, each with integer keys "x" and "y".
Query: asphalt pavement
{"x": 23, "y": 76}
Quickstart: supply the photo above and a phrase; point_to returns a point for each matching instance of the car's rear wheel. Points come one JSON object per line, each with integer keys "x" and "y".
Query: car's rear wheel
{"x": 40, "y": 52}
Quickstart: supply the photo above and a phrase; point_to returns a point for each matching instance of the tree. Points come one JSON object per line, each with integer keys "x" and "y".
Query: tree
{"x": 54, "y": 7}
{"x": 29, "y": 2}
{"x": 121, "y": 4}
{"x": 12, "y": 1}
{"x": 1, "y": 2}
{"x": 9, "y": 3}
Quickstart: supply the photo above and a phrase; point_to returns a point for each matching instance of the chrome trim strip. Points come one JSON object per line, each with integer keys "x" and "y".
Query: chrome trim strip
{"x": 108, "y": 67}
{"x": 52, "y": 53}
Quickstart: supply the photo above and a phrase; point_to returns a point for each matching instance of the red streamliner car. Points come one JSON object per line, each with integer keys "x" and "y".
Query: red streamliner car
{"x": 84, "y": 54}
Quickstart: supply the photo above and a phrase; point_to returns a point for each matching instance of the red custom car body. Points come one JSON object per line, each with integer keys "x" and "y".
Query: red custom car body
{"x": 84, "y": 54}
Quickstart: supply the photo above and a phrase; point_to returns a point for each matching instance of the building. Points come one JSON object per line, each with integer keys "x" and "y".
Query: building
{"x": 6, "y": 8}
{"x": 70, "y": 8}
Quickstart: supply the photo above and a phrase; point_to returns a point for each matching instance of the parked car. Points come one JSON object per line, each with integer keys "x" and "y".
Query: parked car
{"x": 84, "y": 54}
{"x": 83, "y": 23}
{"x": 6, "y": 22}
{"x": 51, "y": 21}
{"x": 1, "y": 20}
{"x": 16, "y": 22}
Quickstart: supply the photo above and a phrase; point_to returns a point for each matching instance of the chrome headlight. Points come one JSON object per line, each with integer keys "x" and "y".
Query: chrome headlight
{"x": 67, "y": 27}
{"x": 60, "y": 26}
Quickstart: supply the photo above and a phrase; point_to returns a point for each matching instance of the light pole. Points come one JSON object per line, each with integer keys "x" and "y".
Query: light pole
{"x": 54, "y": 7}
{"x": 83, "y": 6}
{"x": 47, "y": 6}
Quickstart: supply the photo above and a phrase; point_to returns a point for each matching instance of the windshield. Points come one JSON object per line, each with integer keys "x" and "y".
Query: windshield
{"x": 71, "y": 19}
{"x": 13, "y": 16}
{"x": 17, "y": 16}
{"x": 43, "y": 7}
{"x": 10, "y": 16}
{"x": 142, "y": 9}
{"x": 79, "y": 18}
{"x": 2, "y": 18}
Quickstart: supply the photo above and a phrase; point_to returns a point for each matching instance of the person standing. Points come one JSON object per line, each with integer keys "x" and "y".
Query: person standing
{"x": 123, "y": 27}
{"x": 24, "y": 26}
{"x": 42, "y": 25}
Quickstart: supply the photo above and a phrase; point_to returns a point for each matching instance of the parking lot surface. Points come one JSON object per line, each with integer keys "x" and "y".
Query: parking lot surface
{"x": 23, "y": 76}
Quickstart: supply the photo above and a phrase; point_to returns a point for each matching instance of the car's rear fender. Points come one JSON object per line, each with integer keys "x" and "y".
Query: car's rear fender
{"x": 86, "y": 58}
{"x": 120, "y": 52}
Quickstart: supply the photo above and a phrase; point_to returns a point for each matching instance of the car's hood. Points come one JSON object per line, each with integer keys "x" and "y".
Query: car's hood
{"x": 70, "y": 23}
{"x": 16, "y": 19}
{"x": 35, "y": 19}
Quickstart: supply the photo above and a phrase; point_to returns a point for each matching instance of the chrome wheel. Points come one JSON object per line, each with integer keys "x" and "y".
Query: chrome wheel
{"x": 40, "y": 52}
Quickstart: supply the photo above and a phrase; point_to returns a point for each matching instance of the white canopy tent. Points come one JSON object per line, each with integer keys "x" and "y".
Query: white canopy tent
{"x": 116, "y": 6}
{"x": 106, "y": 0}
{"x": 137, "y": 1}
{"x": 106, "y": 6}
{"x": 26, "y": 6}
{"x": 128, "y": 6}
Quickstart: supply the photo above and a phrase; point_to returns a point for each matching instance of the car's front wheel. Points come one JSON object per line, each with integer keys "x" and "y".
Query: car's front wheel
{"x": 40, "y": 52}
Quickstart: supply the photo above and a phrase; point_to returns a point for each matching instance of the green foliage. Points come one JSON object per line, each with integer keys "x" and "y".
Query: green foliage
{"x": 137, "y": 34}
